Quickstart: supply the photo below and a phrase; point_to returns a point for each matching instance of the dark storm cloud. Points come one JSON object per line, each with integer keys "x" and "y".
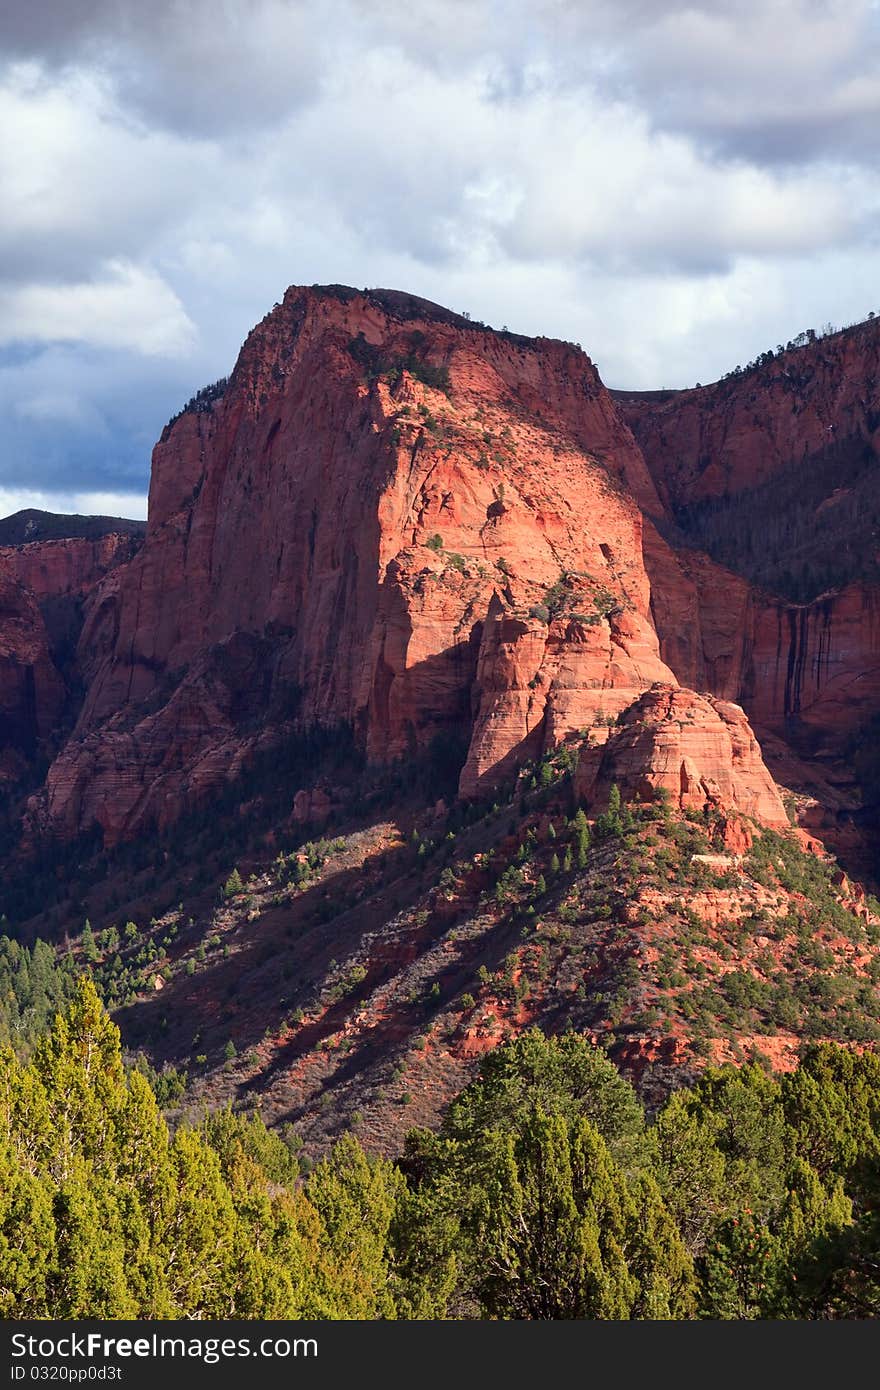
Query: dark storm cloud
{"x": 80, "y": 420}
{"x": 199, "y": 66}
{"x": 49, "y": 27}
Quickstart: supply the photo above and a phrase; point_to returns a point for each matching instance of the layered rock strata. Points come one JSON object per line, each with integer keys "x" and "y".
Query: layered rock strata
{"x": 699, "y": 751}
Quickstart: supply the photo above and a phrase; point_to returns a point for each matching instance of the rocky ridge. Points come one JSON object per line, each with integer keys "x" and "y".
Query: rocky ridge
{"x": 394, "y": 521}
{"x": 737, "y": 433}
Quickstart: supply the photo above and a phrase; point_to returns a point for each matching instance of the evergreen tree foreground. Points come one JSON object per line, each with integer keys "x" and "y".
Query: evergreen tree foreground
{"x": 545, "y": 1194}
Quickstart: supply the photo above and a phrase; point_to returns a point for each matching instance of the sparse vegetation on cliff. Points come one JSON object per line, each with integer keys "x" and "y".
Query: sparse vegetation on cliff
{"x": 376, "y": 363}
{"x": 203, "y": 400}
{"x": 432, "y": 863}
{"x": 770, "y": 533}
{"x": 805, "y": 339}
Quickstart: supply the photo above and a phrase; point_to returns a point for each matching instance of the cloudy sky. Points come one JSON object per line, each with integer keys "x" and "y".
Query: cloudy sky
{"x": 674, "y": 185}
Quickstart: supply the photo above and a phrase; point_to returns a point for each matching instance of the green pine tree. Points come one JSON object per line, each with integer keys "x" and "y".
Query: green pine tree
{"x": 355, "y": 1197}
{"x": 89, "y": 945}
{"x": 27, "y": 1235}
{"x": 233, "y": 885}
{"x": 581, "y": 839}
{"x": 555, "y": 1225}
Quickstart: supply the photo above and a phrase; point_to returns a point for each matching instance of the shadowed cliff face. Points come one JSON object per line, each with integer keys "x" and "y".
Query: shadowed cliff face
{"x": 812, "y": 666}
{"x": 44, "y": 588}
{"x": 31, "y": 690}
{"x": 426, "y": 525}
{"x": 741, "y": 432}
{"x": 774, "y": 472}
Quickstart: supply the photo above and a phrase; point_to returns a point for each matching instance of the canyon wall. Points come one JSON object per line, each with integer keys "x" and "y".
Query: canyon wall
{"x": 808, "y": 670}
{"x": 398, "y": 521}
{"x": 737, "y": 433}
{"x": 44, "y": 586}
{"x": 413, "y": 524}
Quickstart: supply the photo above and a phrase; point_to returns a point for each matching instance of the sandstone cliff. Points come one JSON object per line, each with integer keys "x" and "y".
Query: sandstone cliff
{"x": 809, "y": 672}
{"x": 397, "y": 521}
{"x": 43, "y": 587}
{"x": 737, "y": 433}
{"x": 774, "y": 471}
{"x": 52, "y": 569}
{"x": 420, "y": 524}
{"x": 31, "y": 690}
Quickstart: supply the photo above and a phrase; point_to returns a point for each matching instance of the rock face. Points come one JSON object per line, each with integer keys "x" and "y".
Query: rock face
{"x": 399, "y": 522}
{"x": 417, "y": 525}
{"x": 699, "y": 750}
{"x": 57, "y": 569}
{"x": 809, "y": 672}
{"x": 775, "y": 470}
{"x": 31, "y": 690}
{"x": 43, "y": 588}
{"x": 536, "y": 683}
{"x": 736, "y": 434}
{"x": 191, "y": 744}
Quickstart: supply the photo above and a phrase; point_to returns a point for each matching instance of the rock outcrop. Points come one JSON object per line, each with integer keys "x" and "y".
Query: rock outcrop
{"x": 397, "y": 521}
{"x": 698, "y": 750}
{"x": 537, "y": 682}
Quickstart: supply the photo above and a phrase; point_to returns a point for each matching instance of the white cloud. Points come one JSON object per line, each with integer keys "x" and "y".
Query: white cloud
{"x": 551, "y": 176}
{"x": 128, "y": 308}
{"x": 194, "y": 65}
{"x": 82, "y": 182}
{"x": 19, "y": 499}
{"x": 674, "y": 183}
{"x": 131, "y": 506}
{"x": 777, "y": 80}
{"x": 596, "y": 183}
